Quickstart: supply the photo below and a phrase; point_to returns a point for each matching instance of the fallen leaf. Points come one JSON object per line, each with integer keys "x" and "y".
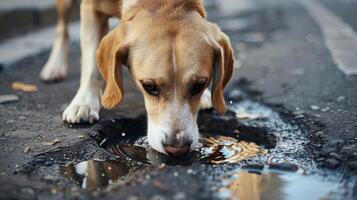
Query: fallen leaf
{"x": 52, "y": 143}
{"x": 24, "y": 87}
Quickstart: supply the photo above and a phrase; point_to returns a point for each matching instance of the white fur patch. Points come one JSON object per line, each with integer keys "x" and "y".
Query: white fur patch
{"x": 57, "y": 64}
{"x": 128, "y": 4}
{"x": 85, "y": 105}
{"x": 206, "y": 101}
{"x": 174, "y": 114}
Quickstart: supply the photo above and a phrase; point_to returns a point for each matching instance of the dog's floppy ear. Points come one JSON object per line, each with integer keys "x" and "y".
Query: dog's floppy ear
{"x": 222, "y": 71}
{"x": 111, "y": 56}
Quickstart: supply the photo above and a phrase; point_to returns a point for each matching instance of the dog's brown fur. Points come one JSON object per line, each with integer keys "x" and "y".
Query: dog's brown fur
{"x": 167, "y": 43}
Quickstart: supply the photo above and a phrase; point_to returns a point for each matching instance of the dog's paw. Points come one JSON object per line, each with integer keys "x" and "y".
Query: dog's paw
{"x": 51, "y": 73}
{"x": 206, "y": 101}
{"x": 84, "y": 108}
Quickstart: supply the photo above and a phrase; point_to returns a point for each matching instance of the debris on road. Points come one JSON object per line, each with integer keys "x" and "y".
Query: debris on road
{"x": 24, "y": 87}
{"x": 8, "y": 98}
{"x": 27, "y": 150}
{"x": 290, "y": 167}
{"x": 341, "y": 98}
{"x": 314, "y": 107}
{"x": 55, "y": 141}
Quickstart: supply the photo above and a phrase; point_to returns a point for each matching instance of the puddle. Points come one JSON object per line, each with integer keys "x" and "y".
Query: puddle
{"x": 96, "y": 175}
{"x": 249, "y": 135}
{"x": 277, "y": 185}
{"x": 256, "y": 183}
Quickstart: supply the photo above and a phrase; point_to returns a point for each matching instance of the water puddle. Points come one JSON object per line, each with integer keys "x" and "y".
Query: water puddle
{"x": 252, "y": 153}
{"x": 272, "y": 185}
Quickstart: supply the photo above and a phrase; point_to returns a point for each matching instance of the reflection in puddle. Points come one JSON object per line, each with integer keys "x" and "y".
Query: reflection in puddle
{"x": 257, "y": 184}
{"x": 215, "y": 149}
{"x": 94, "y": 175}
{"x": 274, "y": 186}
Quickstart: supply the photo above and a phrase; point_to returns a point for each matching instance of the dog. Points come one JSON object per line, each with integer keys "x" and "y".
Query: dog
{"x": 173, "y": 54}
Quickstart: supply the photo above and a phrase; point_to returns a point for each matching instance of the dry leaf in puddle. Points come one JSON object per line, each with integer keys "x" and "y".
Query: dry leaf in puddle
{"x": 24, "y": 87}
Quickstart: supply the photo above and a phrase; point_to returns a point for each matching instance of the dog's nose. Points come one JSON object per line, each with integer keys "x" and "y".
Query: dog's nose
{"x": 177, "y": 145}
{"x": 177, "y": 150}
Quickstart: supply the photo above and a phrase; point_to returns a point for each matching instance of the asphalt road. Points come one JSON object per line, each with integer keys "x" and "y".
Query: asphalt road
{"x": 283, "y": 62}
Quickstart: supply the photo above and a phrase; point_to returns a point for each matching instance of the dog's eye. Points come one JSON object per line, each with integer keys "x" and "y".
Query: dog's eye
{"x": 151, "y": 88}
{"x": 198, "y": 87}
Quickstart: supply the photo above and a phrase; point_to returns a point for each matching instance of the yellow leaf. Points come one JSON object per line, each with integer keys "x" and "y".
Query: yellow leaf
{"x": 24, "y": 87}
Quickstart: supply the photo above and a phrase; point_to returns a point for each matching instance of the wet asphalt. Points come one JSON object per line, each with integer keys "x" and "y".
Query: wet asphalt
{"x": 285, "y": 69}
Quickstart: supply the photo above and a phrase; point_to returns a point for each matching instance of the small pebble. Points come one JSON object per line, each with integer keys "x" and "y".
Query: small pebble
{"x": 28, "y": 191}
{"x": 55, "y": 141}
{"x": 299, "y": 116}
{"x": 332, "y": 163}
{"x": 175, "y": 174}
{"x": 319, "y": 133}
{"x": 341, "y": 98}
{"x": 10, "y": 121}
{"x": 27, "y": 149}
{"x": 8, "y": 98}
{"x": 253, "y": 167}
{"x": 284, "y": 166}
{"x": 133, "y": 198}
{"x": 321, "y": 159}
{"x": 53, "y": 190}
{"x": 50, "y": 178}
{"x": 157, "y": 197}
{"x": 325, "y": 109}
{"x": 189, "y": 171}
{"x": 335, "y": 156}
{"x": 147, "y": 177}
{"x": 314, "y": 107}
{"x": 298, "y": 112}
{"x": 179, "y": 196}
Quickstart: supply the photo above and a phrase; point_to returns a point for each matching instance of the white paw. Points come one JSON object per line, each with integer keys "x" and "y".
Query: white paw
{"x": 206, "y": 101}
{"x": 53, "y": 72}
{"x": 84, "y": 108}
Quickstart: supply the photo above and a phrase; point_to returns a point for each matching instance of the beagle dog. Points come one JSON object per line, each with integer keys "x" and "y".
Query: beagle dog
{"x": 171, "y": 51}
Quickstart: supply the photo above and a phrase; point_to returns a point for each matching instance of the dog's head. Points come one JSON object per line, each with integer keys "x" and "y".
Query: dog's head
{"x": 173, "y": 54}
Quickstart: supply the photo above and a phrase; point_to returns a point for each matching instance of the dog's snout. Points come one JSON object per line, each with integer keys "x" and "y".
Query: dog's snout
{"x": 176, "y": 144}
{"x": 177, "y": 150}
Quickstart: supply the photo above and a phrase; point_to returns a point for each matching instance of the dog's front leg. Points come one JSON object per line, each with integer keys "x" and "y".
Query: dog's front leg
{"x": 57, "y": 64}
{"x": 85, "y": 105}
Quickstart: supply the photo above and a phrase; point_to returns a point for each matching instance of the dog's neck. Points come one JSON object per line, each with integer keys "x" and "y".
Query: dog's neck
{"x": 130, "y": 7}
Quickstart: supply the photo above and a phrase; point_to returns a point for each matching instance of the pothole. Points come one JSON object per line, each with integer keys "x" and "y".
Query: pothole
{"x": 250, "y": 150}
